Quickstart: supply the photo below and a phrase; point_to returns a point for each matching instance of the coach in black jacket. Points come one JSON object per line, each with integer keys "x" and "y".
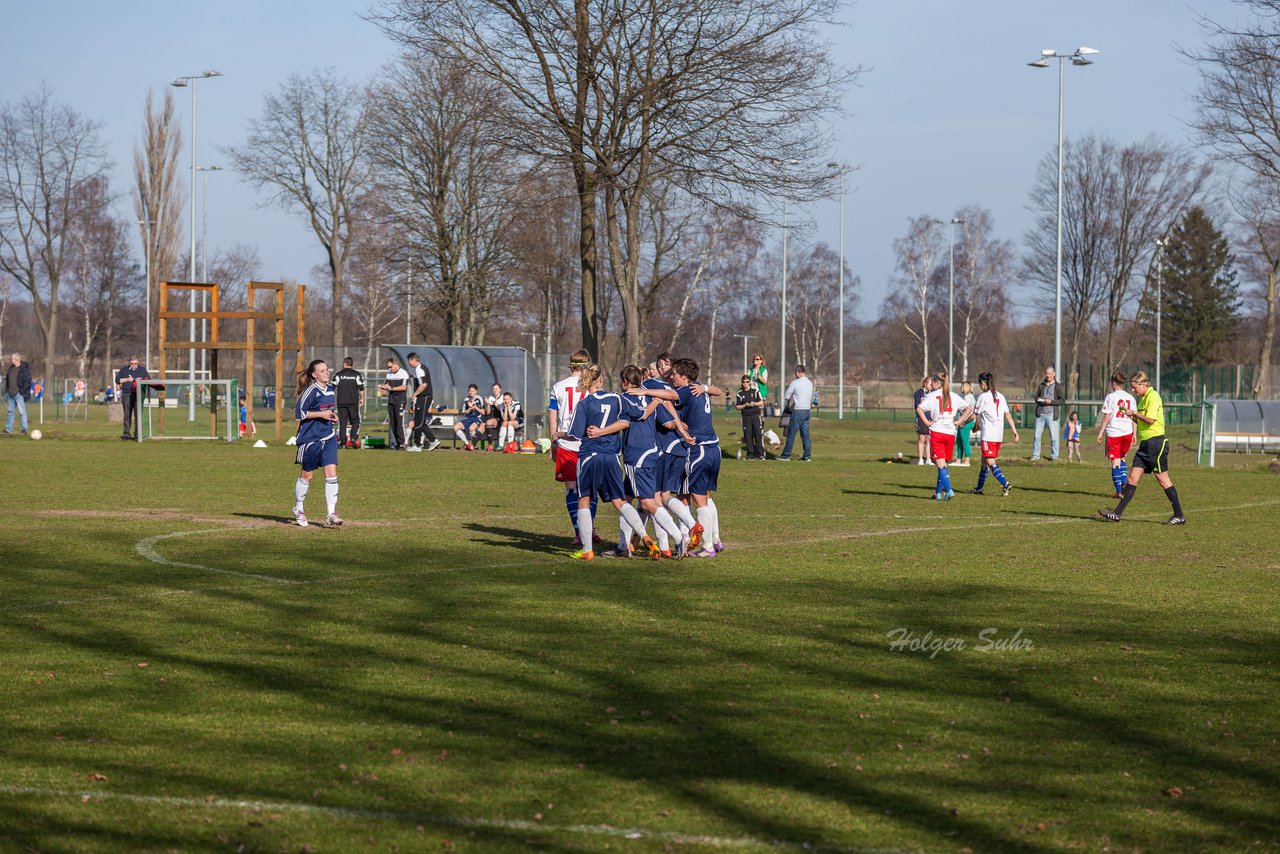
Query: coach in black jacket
{"x": 1049, "y": 398}
{"x": 348, "y": 386}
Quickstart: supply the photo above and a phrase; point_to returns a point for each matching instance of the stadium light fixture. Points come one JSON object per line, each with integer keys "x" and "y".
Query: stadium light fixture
{"x": 1077, "y": 58}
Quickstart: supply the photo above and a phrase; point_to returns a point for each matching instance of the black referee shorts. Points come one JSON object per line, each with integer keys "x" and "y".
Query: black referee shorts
{"x": 1152, "y": 455}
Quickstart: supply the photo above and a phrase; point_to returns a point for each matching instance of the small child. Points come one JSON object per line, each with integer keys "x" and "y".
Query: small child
{"x": 1072, "y": 433}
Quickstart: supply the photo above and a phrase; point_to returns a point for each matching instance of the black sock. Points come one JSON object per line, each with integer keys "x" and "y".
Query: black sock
{"x": 1126, "y": 497}
{"x": 1172, "y": 492}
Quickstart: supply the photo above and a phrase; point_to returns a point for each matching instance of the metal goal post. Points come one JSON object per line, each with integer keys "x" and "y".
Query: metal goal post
{"x": 163, "y": 418}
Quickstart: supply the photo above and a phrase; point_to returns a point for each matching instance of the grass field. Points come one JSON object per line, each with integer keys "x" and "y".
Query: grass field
{"x": 183, "y": 671}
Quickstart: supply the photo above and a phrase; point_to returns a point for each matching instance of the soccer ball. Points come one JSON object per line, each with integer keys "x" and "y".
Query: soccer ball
{"x": 37, "y": 435}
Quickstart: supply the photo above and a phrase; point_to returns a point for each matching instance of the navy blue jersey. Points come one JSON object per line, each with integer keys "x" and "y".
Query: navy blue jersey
{"x": 669, "y": 440}
{"x": 695, "y": 412}
{"x": 315, "y": 398}
{"x": 599, "y": 409}
{"x": 642, "y": 436}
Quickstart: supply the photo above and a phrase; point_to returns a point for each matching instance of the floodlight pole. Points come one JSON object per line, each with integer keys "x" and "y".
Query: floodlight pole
{"x": 1079, "y": 57}
{"x": 183, "y": 82}
{"x": 782, "y": 350}
{"x": 1161, "y": 243}
{"x": 204, "y": 255}
{"x": 146, "y": 224}
{"x": 745, "y": 339}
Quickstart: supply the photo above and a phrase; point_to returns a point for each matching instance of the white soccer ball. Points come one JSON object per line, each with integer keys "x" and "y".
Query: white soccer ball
{"x": 37, "y": 435}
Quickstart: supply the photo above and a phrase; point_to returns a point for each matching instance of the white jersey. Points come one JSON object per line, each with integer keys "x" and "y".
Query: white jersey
{"x": 565, "y": 395}
{"x": 943, "y": 417}
{"x": 1119, "y": 405}
{"x": 991, "y": 409}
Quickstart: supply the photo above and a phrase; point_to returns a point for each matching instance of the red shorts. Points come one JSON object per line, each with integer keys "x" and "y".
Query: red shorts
{"x": 991, "y": 450}
{"x": 566, "y": 465}
{"x": 1118, "y": 446}
{"x": 941, "y": 446}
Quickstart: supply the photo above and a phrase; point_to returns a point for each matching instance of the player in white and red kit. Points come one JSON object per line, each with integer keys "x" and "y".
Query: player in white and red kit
{"x": 565, "y": 396}
{"x": 992, "y": 412}
{"x": 943, "y": 412}
{"x": 1117, "y": 424}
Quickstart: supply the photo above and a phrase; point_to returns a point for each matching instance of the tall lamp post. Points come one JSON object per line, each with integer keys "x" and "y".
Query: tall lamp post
{"x": 1161, "y": 243}
{"x": 204, "y": 252}
{"x": 745, "y": 339}
{"x": 1079, "y": 57}
{"x": 782, "y": 350}
{"x": 840, "y": 337}
{"x": 189, "y": 81}
{"x": 951, "y": 293}
{"x": 146, "y": 224}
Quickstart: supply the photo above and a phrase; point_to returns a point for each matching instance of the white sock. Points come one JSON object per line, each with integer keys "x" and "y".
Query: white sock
{"x": 706, "y": 516}
{"x": 715, "y": 520}
{"x": 665, "y": 525}
{"x": 632, "y": 518}
{"x": 584, "y": 528}
{"x": 331, "y": 494}
{"x": 461, "y": 435}
{"x": 664, "y": 542}
{"x": 680, "y": 511}
{"x": 300, "y": 492}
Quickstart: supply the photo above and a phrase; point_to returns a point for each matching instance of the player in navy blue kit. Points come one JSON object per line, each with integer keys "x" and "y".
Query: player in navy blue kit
{"x": 673, "y": 446}
{"x": 599, "y": 474}
{"x": 694, "y": 407}
{"x": 641, "y": 464}
{"x": 316, "y": 413}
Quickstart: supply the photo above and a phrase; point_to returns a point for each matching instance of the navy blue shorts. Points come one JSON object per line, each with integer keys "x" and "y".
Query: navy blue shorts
{"x": 704, "y": 469}
{"x": 471, "y": 419}
{"x": 315, "y": 455}
{"x": 642, "y": 480}
{"x": 671, "y": 476}
{"x": 600, "y": 475}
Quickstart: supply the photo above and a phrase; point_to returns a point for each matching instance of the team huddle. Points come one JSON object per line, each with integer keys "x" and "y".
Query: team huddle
{"x": 651, "y": 442}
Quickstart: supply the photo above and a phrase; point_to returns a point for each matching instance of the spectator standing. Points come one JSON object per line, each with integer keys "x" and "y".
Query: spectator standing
{"x": 396, "y": 385}
{"x": 922, "y": 429}
{"x": 759, "y": 377}
{"x": 17, "y": 391}
{"x": 799, "y": 395}
{"x": 751, "y": 404}
{"x": 1049, "y": 396}
{"x": 348, "y": 385}
{"x": 420, "y": 420}
{"x": 131, "y": 396}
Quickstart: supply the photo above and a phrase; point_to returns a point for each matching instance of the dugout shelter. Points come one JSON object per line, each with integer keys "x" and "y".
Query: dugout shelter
{"x": 454, "y": 368}
{"x": 1248, "y": 426}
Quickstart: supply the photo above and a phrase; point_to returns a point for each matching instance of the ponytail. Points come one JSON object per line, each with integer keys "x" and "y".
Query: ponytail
{"x": 305, "y": 376}
{"x": 590, "y": 374}
{"x": 945, "y": 379}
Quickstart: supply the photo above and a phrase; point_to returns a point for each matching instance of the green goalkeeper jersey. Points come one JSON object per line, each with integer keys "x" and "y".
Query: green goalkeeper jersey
{"x": 1151, "y": 406}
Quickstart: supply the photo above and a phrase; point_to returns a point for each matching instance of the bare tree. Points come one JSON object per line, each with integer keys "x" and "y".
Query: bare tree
{"x": 158, "y": 196}
{"x": 308, "y": 149}
{"x": 706, "y": 90}
{"x": 917, "y": 266}
{"x": 1257, "y": 204}
{"x": 813, "y": 305}
{"x": 447, "y": 185}
{"x": 48, "y": 152}
{"x": 1238, "y": 116}
{"x": 99, "y": 273}
{"x": 983, "y": 275}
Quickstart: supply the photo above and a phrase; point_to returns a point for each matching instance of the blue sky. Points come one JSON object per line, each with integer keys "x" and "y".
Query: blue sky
{"x": 948, "y": 113}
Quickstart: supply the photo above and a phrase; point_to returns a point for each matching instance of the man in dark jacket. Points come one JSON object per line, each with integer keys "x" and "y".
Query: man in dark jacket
{"x": 17, "y": 391}
{"x": 129, "y": 380}
{"x": 1049, "y": 397}
{"x": 348, "y": 386}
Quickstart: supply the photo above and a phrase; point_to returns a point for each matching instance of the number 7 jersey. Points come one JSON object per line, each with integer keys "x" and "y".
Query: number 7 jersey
{"x": 600, "y": 409}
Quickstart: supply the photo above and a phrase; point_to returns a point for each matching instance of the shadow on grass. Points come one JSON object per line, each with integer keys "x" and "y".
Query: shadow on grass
{"x": 751, "y": 684}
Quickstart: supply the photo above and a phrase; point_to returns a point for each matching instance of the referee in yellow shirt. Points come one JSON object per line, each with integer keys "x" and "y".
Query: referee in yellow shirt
{"x": 1153, "y": 451}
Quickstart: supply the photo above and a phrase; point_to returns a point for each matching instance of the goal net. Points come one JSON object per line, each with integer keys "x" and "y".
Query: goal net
{"x": 167, "y": 410}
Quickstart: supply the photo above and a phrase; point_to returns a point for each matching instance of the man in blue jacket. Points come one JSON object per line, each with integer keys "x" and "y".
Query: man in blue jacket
{"x": 17, "y": 391}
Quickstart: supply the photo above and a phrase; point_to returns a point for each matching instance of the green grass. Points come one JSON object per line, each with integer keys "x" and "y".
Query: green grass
{"x": 438, "y": 675}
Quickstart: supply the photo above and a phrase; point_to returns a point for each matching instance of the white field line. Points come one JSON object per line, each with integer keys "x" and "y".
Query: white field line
{"x": 146, "y": 548}
{"x": 465, "y": 822}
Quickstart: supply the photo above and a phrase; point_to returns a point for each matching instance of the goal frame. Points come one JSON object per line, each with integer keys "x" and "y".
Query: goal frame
{"x": 230, "y": 392}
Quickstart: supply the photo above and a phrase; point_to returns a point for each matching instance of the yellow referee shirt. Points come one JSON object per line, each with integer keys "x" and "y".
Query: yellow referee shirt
{"x": 1150, "y": 405}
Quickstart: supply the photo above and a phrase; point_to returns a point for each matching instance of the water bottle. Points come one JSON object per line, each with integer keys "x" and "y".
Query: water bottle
{"x": 739, "y": 453}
